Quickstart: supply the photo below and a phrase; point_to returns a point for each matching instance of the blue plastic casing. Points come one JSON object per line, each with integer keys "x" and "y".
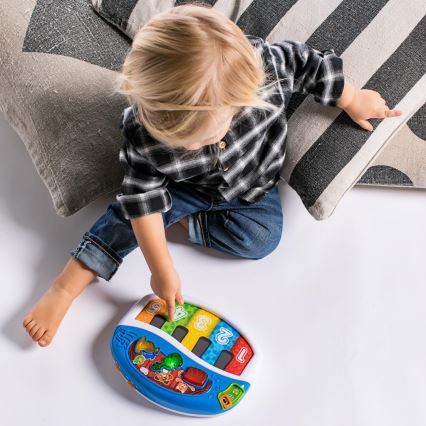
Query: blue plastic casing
{"x": 200, "y": 404}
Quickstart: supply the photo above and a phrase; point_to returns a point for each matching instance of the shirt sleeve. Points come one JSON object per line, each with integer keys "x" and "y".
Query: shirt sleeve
{"x": 309, "y": 70}
{"x": 143, "y": 190}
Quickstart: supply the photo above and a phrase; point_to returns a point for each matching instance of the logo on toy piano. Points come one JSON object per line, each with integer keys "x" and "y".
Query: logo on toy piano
{"x": 167, "y": 370}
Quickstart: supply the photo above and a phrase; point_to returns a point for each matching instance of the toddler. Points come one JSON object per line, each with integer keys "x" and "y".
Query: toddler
{"x": 203, "y": 144}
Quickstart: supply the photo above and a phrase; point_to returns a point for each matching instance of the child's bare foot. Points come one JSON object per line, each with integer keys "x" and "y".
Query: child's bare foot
{"x": 43, "y": 320}
{"x": 45, "y": 317}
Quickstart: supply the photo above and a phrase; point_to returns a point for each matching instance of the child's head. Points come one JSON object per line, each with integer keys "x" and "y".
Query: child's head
{"x": 190, "y": 69}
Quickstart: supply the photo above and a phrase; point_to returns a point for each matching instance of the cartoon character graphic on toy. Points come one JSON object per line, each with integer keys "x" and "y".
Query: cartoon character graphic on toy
{"x": 166, "y": 369}
{"x": 145, "y": 347}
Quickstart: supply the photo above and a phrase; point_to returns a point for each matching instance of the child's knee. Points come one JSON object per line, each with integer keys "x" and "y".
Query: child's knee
{"x": 262, "y": 250}
{"x": 263, "y": 244}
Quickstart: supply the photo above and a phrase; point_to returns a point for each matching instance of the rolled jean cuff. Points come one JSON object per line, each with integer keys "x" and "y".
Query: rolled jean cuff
{"x": 196, "y": 231}
{"x": 97, "y": 256}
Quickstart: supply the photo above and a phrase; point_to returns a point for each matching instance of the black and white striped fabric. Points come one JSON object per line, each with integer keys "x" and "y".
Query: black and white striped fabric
{"x": 382, "y": 44}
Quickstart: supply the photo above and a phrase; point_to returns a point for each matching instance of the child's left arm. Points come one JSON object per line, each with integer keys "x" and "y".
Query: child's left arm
{"x": 363, "y": 104}
{"x": 304, "y": 69}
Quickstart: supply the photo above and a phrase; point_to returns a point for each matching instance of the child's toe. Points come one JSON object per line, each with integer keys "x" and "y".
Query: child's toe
{"x": 45, "y": 339}
{"x": 26, "y": 320}
{"x": 39, "y": 333}
{"x": 34, "y": 330}
{"x": 30, "y": 325}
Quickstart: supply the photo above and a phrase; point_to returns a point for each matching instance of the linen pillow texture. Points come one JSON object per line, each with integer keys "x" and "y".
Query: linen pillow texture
{"x": 327, "y": 153}
{"x": 58, "y": 60}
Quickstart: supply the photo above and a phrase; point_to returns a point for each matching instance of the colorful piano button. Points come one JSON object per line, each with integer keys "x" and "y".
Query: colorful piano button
{"x": 206, "y": 335}
{"x": 154, "y": 307}
{"x": 201, "y": 324}
{"x": 242, "y": 354}
{"x": 183, "y": 314}
{"x": 222, "y": 337}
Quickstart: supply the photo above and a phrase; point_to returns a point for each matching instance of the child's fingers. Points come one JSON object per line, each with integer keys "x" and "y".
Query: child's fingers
{"x": 170, "y": 308}
{"x": 365, "y": 125}
{"x": 386, "y": 113}
{"x": 393, "y": 113}
{"x": 179, "y": 297}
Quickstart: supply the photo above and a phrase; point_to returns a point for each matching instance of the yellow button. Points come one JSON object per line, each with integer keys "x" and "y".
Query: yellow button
{"x": 222, "y": 144}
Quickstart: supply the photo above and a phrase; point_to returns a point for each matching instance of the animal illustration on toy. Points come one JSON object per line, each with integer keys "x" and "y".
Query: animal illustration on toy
{"x": 198, "y": 364}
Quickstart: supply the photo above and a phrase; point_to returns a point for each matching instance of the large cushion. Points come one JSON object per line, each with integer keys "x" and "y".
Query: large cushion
{"x": 403, "y": 160}
{"x": 58, "y": 60}
{"x": 327, "y": 153}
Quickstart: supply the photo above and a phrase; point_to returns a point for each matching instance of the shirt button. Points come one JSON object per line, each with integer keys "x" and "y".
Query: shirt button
{"x": 225, "y": 169}
{"x": 222, "y": 144}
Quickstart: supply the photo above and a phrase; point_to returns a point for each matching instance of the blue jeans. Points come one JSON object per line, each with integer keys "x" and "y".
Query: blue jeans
{"x": 236, "y": 227}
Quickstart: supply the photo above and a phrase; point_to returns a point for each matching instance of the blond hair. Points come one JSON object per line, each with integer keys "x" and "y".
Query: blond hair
{"x": 186, "y": 62}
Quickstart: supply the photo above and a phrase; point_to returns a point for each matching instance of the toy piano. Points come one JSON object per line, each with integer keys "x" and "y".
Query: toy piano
{"x": 199, "y": 364}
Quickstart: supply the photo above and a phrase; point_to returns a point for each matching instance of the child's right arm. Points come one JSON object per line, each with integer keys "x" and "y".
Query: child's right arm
{"x": 165, "y": 281}
{"x": 142, "y": 198}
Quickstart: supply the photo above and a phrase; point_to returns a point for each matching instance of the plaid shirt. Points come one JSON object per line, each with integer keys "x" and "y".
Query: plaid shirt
{"x": 251, "y": 153}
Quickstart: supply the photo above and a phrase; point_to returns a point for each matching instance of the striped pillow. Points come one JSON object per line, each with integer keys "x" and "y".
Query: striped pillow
{"x": 327, "y": 153}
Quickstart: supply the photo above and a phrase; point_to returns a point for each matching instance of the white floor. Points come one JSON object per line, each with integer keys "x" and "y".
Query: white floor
{"x": 338, "y": 308}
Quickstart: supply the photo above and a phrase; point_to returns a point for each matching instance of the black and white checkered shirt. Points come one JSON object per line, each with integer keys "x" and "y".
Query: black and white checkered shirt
{"x": 252, "y": 151}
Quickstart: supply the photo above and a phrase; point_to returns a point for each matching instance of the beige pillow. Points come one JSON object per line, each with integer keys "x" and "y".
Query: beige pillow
{"x": 57, "y": 66}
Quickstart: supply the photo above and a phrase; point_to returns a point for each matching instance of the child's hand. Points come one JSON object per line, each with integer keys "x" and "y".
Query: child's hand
{"x": 167, "y": 286}
{"x": 367, "y": 104}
